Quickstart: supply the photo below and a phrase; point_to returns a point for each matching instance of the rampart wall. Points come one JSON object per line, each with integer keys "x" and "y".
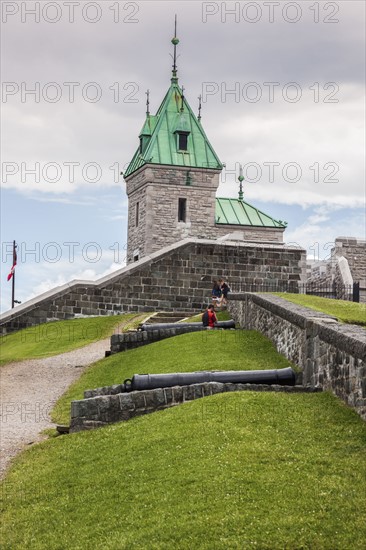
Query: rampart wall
{"x": 177, "y": 278}
{"x": 331, "y": 355}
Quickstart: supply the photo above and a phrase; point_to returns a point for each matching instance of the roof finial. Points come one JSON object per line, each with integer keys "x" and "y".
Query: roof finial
{"x": 199, "y": 108}
{"x": 147, "y": 102}
{"x": 241, "y": 179}
{"x": 175, "y": 41}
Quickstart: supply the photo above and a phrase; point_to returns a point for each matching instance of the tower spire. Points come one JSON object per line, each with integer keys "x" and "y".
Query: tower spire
{"x": 147, "y": 102}
{"x": 175, "y": 42}
{"x": 199, "y": 108}
{"x": 241, "y": 179}
{"x": 182, "y": 104}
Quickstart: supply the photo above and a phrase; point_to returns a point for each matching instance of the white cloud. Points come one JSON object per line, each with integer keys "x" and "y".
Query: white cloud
{"x": 321, "y": 145}
{"x": 66, "y": 276}
{"x": 318, "y": 233}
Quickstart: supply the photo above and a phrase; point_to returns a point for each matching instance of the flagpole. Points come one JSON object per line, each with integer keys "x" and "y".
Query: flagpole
{"x": 13, "y": 280}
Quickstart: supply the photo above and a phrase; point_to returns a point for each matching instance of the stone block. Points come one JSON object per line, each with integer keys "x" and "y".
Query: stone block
{"x": 154, "y": 398}
{"x": 108, "y": 405}
{"x": 168, "y": 396}
{"x": 139, "y": 400}
{"x": 117, "y": 338}
{"x": 216, "y": 387}
{"x": 85, "y": 407}
{"x": 116, "y": 389}
{"x": 126, "y": 401}
{"x": 177, "y": 394}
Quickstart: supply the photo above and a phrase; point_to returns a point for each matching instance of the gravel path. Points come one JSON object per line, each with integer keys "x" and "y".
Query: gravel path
{"x": 29, "y": 390}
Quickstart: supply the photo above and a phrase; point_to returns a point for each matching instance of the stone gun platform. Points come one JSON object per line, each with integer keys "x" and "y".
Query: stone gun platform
{"x": 108, "y": 405}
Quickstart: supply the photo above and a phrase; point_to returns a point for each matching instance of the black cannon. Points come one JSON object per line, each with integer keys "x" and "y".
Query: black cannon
{"x": 284, "y": 377}
{"x": 157, "y": 326}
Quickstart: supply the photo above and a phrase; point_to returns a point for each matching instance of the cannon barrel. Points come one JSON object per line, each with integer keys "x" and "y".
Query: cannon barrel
{"x": 157, "y": 326}
{"x": 286, "y": 377}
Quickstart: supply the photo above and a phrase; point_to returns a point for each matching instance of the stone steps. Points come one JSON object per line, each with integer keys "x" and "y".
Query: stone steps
{"x": 168, "y": 317}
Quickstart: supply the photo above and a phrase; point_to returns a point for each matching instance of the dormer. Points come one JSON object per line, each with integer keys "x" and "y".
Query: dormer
{"x": 146, "y": 133}
{"x": 182, "y": 132}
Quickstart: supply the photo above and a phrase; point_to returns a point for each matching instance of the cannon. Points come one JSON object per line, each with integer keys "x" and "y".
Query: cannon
{"x": 157, "y": 326}
{"x": 284, "y": 377}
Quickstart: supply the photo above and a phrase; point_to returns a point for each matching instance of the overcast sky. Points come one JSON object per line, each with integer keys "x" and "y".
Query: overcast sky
{"x": 283, "y": 94}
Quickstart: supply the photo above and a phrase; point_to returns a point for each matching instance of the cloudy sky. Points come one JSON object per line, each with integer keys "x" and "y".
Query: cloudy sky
{"x": 283, "y": 94}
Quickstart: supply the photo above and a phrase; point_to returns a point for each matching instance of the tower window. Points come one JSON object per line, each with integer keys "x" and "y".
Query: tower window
{"x": 137, "y": 213}
{"x": 182, "y": 141}
{"x": 144, "y": 142}
{"x": 182, "y": 210}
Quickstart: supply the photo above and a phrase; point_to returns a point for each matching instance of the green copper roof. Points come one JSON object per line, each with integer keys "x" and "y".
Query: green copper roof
{"x": 162, "y": 146}
{"x": 148, "y": 126}
{"x": 239, "y": 212}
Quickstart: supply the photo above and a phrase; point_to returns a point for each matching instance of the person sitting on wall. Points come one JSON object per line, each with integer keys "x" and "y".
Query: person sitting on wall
{"x": 225, "y": 289}
{"x": 209, "y": 317}
{"x": 216, "y": 292}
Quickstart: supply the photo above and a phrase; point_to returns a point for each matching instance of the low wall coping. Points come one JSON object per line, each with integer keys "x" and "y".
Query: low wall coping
{"x": 347, "y": 337}
{"x": 296, "y": 314}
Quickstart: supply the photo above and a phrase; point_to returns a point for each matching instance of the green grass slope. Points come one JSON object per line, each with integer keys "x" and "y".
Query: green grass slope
{"x": 347, "y": 312}
{"x": 209, "y": 350}
{"x": 241, "y": 470}
{"x": 57, "y": 337}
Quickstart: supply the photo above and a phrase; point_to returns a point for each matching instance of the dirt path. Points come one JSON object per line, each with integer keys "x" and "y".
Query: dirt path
{"x": 29, "y": 390}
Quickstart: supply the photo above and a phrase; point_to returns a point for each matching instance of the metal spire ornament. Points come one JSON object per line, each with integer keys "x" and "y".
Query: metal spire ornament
{"x": 147, "y": 102}
{"x": 182, "y": 98}
{"x": 241, "y": 179}
{"x": 199, "y": 108}
{"x": 175, "y": 42}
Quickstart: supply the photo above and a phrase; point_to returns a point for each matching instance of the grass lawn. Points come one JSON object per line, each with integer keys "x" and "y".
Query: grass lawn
{"x": 59, "y": 336}
{"x": 209, "y": 350}
{"x": 240, "y": 470}
{"x": 347, "y": 312}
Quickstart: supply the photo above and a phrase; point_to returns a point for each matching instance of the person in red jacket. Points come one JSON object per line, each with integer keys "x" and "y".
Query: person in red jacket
{"x": 209, "y": 317}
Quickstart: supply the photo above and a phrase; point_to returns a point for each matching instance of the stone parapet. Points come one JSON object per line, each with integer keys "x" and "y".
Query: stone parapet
{"x": 331, "y": 355}
{"x": 105, "y": 406}
{"x": 135, "y": 339}
{"x": 177, "y": 278}
{"x": 346, "y": 265}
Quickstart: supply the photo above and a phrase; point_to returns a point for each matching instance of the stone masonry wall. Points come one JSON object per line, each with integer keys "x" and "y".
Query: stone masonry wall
{"x": 354, "y": 250}
{"x": 261, "y": 234}
{"x": 331, "y": 355}
{"x": 136, "y": 236}
{"x": 135, "y": 339}
{"x": 108, "y": 405}
{"x": 178, "y": 278}
{"x": 165, "y": 227}
{"x": 347, "y": 265}
{"x": 158, "y": 189}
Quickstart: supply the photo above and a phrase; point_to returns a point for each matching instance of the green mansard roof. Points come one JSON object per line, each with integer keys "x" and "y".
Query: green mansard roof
{"x": 159, "y": 137}
{"x": 239, "y": 212}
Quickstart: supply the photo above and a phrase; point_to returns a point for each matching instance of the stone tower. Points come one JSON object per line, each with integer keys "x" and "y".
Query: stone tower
{"x": 172, "y": 179}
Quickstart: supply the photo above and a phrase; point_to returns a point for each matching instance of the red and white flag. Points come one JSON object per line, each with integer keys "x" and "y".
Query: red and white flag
{"x": 13, "y": 266}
